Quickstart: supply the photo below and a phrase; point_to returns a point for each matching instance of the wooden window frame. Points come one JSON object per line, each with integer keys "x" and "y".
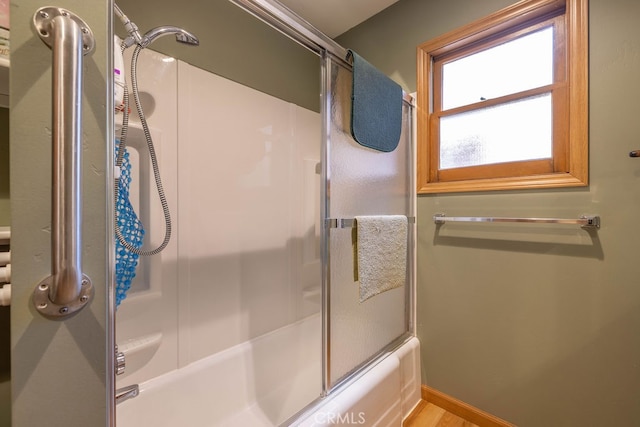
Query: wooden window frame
{"x": 569, "y": 165}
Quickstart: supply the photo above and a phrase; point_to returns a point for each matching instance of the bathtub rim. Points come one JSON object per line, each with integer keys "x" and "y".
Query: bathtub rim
{"x": 349, "y": 379}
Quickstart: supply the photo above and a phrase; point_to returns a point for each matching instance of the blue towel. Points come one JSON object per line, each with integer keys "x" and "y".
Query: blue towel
{"x": 376, "y": 107}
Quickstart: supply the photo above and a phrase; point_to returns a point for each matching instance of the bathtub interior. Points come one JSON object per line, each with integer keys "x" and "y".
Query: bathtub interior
{"x": 219, "y": 390}
{"x": 241, "y": 386}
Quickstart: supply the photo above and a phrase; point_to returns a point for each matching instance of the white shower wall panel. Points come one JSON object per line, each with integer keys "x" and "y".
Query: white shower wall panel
{"x": 147, "y": 320}
{"x": 242, "y": 183}
{"x": 248, "y": 226}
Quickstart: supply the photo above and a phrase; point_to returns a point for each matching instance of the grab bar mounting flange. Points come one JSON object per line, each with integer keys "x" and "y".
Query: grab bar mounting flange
{"x": 48, "y": 308}
{"x": 43, "y": 21}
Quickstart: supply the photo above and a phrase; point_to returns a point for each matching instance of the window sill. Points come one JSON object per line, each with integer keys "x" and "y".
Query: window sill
{"x": 554, "y": 180}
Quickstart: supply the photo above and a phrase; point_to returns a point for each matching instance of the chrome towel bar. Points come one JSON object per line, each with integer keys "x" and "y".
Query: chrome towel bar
{"x": 585, "y": 221}
{"x": 350, "y": 222}
{"x": 66, "y": 290}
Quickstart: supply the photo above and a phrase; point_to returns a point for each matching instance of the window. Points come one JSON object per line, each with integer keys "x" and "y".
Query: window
{"x": 503, "y": 102}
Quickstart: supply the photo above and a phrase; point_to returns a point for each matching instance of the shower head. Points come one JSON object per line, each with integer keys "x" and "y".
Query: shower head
{"x": 182, "y": 36}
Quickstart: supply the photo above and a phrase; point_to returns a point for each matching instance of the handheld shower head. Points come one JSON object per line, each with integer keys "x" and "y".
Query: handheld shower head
{"x": 182, "y": 36}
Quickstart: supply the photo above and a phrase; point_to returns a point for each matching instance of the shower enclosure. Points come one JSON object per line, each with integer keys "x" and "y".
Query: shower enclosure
{"x": 251, "y": 315}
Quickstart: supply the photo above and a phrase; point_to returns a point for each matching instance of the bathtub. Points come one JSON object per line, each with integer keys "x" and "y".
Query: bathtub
{"x": 244, "y": 386}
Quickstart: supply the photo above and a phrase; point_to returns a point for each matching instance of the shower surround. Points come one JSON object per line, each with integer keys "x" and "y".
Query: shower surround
{"x": 224, "y": 327}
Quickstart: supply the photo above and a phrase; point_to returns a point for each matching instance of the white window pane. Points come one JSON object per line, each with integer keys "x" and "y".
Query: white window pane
{"x": 521, "y": 64}
{"x": 520, "y": 130}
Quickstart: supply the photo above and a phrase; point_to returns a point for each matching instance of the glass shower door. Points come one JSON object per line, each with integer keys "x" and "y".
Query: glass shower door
{"x": 361, "y": 181}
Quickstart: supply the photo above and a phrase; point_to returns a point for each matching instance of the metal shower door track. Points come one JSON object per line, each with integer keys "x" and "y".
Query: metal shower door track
{"x": 293, "y": 26}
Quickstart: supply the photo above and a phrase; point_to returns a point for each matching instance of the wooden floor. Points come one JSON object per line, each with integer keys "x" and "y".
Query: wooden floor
{"x": 429, "y": 415}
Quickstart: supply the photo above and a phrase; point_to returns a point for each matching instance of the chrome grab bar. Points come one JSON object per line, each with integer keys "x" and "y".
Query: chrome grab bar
{"x": 67, "y": 290}
{"x": 585, "y": 221}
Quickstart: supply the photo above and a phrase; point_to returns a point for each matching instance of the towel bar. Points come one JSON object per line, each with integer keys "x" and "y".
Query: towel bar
{"x": 585, "y": 221}
{"x": 350, "y": 222}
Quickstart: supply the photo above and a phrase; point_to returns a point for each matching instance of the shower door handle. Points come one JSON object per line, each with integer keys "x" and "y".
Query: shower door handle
{"x": 66, "y": 290}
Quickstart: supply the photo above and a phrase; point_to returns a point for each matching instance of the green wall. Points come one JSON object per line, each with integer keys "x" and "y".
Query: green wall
{"x": 61, "y": 370}
{"x": 234, "y": 45}
{"x": 535, "y": 324}
{"x": 389, "y": 39}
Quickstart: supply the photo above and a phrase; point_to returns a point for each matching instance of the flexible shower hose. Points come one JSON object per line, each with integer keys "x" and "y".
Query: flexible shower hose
{"x": 152, "y": 155}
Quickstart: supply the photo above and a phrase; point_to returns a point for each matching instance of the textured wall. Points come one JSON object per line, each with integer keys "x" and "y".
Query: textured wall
{"x": 535, "y": 324}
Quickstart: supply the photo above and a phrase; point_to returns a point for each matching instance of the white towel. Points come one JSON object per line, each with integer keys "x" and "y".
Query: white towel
{"x": 381, "y": 253}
